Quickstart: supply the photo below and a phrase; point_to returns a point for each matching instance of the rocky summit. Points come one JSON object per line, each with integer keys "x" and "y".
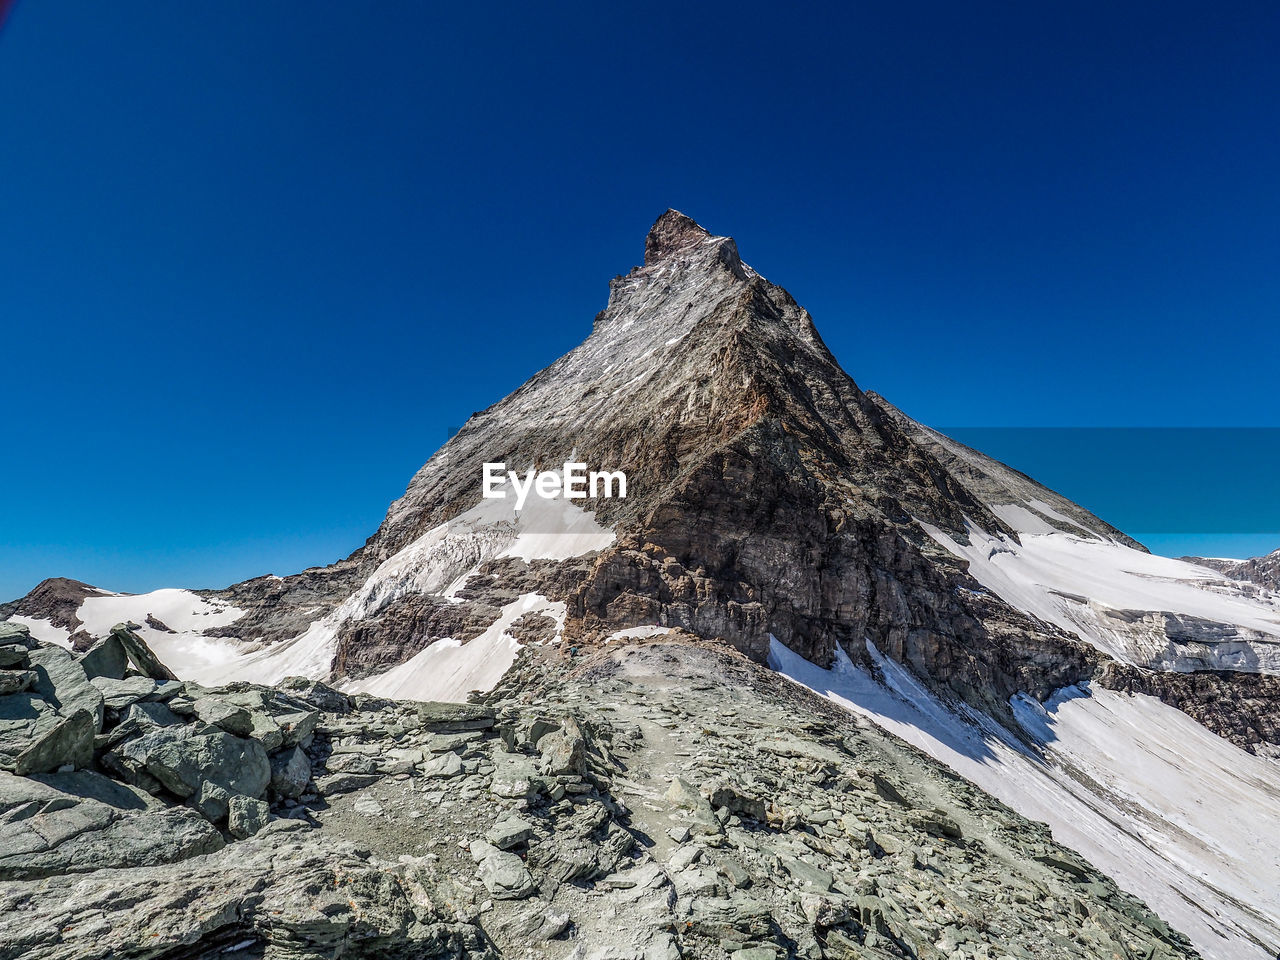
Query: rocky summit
{"x": 823, "y": 683}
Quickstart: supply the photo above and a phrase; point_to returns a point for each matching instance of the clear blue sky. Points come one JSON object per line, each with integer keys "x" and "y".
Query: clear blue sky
{"x": 259, "y": 257}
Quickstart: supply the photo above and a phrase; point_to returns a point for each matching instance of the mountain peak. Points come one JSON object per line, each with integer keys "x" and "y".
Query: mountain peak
{"x": 671, "y": 232}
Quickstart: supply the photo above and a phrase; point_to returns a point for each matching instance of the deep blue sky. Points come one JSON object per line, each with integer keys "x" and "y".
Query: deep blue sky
{"x": 259, "y": 257}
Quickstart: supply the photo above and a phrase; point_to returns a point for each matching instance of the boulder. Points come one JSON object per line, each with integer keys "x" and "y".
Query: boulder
{"x": 246, "y": 816}
{"x": 317, "y": 694}
{"x": 539, "y": 728}
{"x": 15, "y": 635}
{"x": 181, "y": 760}
{"x": 564, "y": 752}
{"x": 443, "y": 767}
{"x": 504, "y": 875}
{"x": 24, "y": 718}
{"x": 106, "y": 658}
{"x": 62, "y": 681}
{"x": 290, "y": 772}
{"x": 723, "y": 794}
{"x": 13, "y": 656}
{"x": 210, "y": 801}
{"x": 75, "y": 823}
{"x": 514, "y": 777}
{"x": 456, "y": 717}
{"x": 140, "y": 654}
{"x": 510, "y": 831}
{"x": 240, "y": 712}
{"x": 297, "y": 725}
{"x": 68, "y": 743}
{"x": 120, "y": 694}
{"x": 683, "y": 794}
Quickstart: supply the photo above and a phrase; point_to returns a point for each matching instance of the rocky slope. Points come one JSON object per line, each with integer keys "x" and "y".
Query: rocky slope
{"x": 654, "y": 800}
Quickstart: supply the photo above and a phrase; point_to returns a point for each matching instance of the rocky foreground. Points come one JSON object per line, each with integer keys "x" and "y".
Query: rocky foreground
{"x": 658, "y": 800}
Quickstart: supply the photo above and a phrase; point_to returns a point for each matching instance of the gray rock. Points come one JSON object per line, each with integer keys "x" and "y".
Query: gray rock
{"x": 455, "y": 717}
{"x": 297, "y": 725}
{"x": 683, "y": 794}
{"x": 318, "y": 694}
{"x": 246, "y": 816}
{"x": 808, "y": 874}
{"x": 540, "y": 727}
{"x": 24, "y": 717}
{"x": 290, "y": 772}
{"x": 291, "y": 897}
{"x": 443, "y": 767}
{"x": 140, "y": 654}
{"x": 210, "y": 801}
{"x": 181, "y": 760}
{"x": 513, "y": 777}
{"x": 74, "y": 823}
{"x": 339, "y": 783}
{"x": 16, "y": 681}
{"x": 62, "y": 681}
{"x": 106, "y": 659}
{"x": 13, "y": 656}
{"x": 146, "y": 714}
{"x": 15, "y": 635}
{"x": 503, "y": 874}
{"x": 68, "y": 743}
{"x": 721, "y": 793}
{"x": 564, "y": 752}
{"x": 242, "y": 713}
{"x": 121, "y": 694}
{"x": 510, "y": 831}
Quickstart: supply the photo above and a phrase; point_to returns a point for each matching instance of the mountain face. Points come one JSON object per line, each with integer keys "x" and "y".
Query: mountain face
{"x": 775, "y": 507}
{"x": 1264, "y": 571}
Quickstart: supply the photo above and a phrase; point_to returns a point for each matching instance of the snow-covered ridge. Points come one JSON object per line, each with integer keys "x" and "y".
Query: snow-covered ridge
{"x": 1143, "y": 609}
{"x": 1176, "y": 815}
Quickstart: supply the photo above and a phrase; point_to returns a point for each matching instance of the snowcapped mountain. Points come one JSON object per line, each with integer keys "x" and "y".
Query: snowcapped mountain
{"x": 1131, "y": 701}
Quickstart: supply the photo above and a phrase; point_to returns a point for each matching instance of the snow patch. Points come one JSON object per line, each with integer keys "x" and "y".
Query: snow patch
{"x": 449, "y": 669}
{"x": 186, "y": 650}
{"x": 45, "y": 631}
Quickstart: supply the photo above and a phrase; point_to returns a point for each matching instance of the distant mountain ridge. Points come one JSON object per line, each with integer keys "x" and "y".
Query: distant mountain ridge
{"x": 1264, "y": 571}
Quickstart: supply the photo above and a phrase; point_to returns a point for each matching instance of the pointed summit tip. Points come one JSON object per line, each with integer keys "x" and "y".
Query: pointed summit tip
{"x": 671, "y": 232}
